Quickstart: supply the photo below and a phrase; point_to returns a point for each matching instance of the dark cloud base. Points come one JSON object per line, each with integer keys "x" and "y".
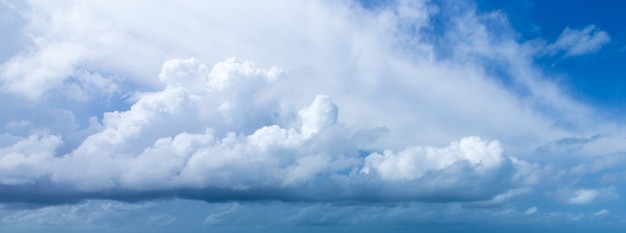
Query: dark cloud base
{"x": 470, "y": 189}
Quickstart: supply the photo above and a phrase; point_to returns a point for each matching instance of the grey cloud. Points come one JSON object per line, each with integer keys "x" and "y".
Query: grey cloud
{"x": 568, "y": 143}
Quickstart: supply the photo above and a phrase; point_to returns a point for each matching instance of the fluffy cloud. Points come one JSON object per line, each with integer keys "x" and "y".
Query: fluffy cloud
{"x": 321, "y": 114}
{"x": 193, "y": 135}
{"x": 412, "y": 163}
{"x": 27, "y": 159}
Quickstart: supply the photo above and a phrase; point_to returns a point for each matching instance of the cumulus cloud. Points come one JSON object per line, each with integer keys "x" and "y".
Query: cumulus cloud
{"x": 412, "y": 163}
{"x": 209, "y": 130}
{"x": 576, "y": 42}
{"x": 321, "y": 114}
{"x": 28, "y": 158}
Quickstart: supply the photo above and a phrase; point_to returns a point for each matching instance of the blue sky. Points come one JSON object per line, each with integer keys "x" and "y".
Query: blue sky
{"x": 308, "y": 116}
{"x": 595, "y": 78}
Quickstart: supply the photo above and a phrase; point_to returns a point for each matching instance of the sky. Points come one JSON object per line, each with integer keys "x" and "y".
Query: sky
{"x": 312, "y": 115}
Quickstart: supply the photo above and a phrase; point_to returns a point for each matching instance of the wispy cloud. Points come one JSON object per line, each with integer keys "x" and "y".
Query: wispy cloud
{"x": 576, "y": 42}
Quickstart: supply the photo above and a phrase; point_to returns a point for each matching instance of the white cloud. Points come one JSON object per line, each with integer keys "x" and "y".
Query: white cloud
{"x": 187, "y": 73}
{"x": 531, "y": 210}
{"x": 415, "y": 162}
{"x": 184, "y": 138}
{"x": 31, "y": 74}
{"x": 583, "y": 196}
{"x": 365, "y": 60}
{"x": 602, "y": 212}
{"x": 224, "y": 216}
{"x": 186, "y": 118}
{"x": 586, "y": 196}
{"x": 579, "y": 42}
{"x": 28, "y": 159}
{"x": 321, "y": 114}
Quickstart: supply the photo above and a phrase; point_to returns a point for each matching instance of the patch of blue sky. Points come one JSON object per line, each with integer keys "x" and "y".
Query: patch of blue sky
{"x": 90, "y": 101}
{"x": 596, "y": 78}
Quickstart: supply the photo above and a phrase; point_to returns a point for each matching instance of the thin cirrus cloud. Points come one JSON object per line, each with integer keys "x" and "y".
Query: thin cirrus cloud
{"x": 325, "y": 103}
{"x": 576, "y": 42}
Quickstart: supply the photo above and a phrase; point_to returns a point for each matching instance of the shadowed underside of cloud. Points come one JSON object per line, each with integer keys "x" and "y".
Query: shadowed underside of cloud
{"x": 347, "y": 105}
